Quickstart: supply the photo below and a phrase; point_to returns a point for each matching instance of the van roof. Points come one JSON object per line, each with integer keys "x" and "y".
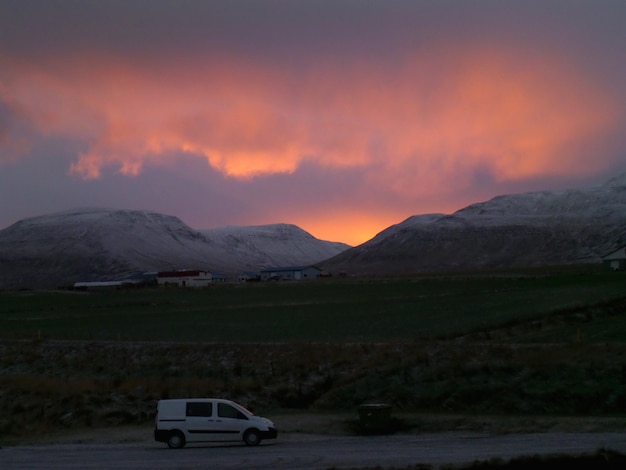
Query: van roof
{"x": 224, "y": 400}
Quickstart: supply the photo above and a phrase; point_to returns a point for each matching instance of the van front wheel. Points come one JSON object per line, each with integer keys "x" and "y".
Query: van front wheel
{"x": 176, "y": 440}
{"x": 252, "y": 437}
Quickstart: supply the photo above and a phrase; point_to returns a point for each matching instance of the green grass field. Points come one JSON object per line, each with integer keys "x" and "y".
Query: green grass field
{"x": 544, "y": 343}
{"x": 402, "y": 309}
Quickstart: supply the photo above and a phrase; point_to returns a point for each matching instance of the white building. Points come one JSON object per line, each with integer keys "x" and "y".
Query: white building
{"x": 290, "y": 273}
{"x": 185, "y": 278}
{"x": 616, "y": 260}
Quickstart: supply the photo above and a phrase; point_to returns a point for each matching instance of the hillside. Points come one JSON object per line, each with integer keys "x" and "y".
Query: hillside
{"x": 530, "y": 229}
{"x": 98, "y": 244}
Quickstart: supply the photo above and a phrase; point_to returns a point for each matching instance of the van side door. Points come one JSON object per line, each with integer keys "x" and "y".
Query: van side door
{"x": 230, "y": 422}
{"x": 200, "y": 421}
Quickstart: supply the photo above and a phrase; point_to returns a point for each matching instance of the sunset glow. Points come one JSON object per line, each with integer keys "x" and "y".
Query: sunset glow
{"x": 412, "y": 131}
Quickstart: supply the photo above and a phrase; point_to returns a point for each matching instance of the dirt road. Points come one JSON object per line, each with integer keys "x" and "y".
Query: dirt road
{"x": 299, "y": 451}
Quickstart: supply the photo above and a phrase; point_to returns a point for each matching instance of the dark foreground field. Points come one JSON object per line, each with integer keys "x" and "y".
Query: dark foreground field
{"x": 501, "y": 352}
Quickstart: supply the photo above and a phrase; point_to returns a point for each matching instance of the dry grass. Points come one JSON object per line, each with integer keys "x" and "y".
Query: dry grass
{"x": 433, "y": 386}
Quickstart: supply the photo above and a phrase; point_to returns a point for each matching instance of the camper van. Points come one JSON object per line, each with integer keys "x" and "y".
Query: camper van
{"x": 196, "y": 420}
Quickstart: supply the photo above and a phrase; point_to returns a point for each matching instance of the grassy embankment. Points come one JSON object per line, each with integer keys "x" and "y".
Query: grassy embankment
{"x": 536, "y": 343}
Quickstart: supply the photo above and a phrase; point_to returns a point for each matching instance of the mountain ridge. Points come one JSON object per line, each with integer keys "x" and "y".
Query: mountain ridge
{"x": 91, "y": 244}
{"x": 537, "y": 228}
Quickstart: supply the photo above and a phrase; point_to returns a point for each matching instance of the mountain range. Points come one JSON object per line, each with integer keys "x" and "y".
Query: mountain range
{"x": 107, "y": 244}
{"x": 540, "y": 228}
{"x": 516, "y": 230}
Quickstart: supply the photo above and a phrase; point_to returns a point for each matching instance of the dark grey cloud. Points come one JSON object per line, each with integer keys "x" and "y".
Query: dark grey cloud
{"x": 286, "y": 28}
{"x": 291, "y": 37}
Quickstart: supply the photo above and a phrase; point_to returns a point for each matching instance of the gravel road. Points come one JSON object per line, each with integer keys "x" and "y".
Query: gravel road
{"x": 300, "y": 451}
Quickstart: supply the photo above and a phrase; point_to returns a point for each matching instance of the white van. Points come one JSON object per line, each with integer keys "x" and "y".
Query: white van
{"x": 208, "y": 420}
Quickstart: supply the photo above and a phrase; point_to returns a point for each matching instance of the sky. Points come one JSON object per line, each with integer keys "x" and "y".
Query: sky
{"x": 340, "y": 116}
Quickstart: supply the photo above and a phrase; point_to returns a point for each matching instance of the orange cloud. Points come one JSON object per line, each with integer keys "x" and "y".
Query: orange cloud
{"x": 418, "y": 123}
{"x": 514, "y": 115}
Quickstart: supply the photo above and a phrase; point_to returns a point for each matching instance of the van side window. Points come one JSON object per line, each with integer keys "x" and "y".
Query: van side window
{"x": 199, "y": 409}
{"x": 226, "y": 411}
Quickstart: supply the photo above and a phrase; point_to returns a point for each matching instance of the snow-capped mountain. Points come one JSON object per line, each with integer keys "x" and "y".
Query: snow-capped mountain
{"x": 98, "y": 244}
{"x": 529, "y": 229}
{"x": 280, "y": 244}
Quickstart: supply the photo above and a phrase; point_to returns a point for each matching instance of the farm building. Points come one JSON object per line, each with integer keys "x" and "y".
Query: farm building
{"x": 249, "y": 276}
{"x": 290, "y": 273}
{"x": 616, "y": 260}
{"x": 184, "y": 278}
{"x": 135, "y": 280}
{"x": 218, "y": 277}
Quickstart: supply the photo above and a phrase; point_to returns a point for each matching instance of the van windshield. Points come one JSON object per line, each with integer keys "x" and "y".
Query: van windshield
{"x": 242, "y": 409}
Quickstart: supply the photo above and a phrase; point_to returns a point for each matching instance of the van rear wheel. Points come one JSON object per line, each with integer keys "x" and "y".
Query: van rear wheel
{"x": 176, "y": 440}
{"x": 252, "y": 437}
